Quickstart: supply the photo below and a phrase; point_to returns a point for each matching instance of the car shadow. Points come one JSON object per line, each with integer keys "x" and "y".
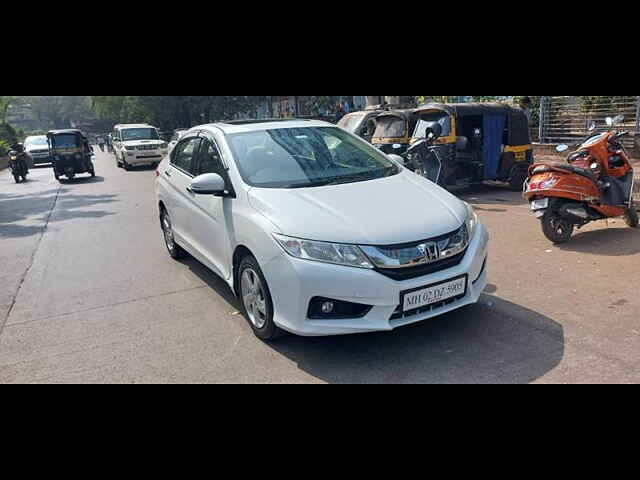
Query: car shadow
{"x": 82, "y": 180}
{"x": 495, "y": 341}
{"x": 490, "y": 195}
{"x": 212, "y": 280}
{"x": 610, "y": 242}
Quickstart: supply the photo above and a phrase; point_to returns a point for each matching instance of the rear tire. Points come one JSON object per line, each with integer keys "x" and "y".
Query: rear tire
{"x": 556, "y": 228}
{"x": 255, "y": 300}
{"x": 175, "y": 250}
{"x": 631, "y": 217}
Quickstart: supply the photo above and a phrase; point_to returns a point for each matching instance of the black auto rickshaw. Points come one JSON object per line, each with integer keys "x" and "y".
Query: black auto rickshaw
{"x": 394, "y": 130}
{"x": 474, "y": 142}
{"x": 362, "y": 123}
{"x": 71, "y": 153}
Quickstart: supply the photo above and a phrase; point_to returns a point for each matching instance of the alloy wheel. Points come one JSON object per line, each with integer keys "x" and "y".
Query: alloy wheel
{"x": 253, "y": 298}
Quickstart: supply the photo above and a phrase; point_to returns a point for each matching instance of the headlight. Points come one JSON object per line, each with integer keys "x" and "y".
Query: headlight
{"x": 336, "y": 253}
{"x": 13, "y": 158}
{"x": 472, "y": 220}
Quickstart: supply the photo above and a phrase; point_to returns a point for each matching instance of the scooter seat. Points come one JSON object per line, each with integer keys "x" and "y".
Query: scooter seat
{"x": 570, "y": 168}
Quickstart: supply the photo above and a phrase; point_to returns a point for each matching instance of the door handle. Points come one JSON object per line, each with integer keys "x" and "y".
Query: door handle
{"x": 167, "y": 173}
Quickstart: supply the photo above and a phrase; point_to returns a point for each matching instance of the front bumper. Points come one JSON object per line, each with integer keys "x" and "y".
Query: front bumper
{"x": 293, "y": 283}
{"x": 144, "y": 158}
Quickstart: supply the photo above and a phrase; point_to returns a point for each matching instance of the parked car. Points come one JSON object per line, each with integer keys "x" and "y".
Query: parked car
{"x": 138, "y": 144}
{"x": 317, "y": 231}
{"x": 177, "y": 135}
{"x": 37, "y": 147}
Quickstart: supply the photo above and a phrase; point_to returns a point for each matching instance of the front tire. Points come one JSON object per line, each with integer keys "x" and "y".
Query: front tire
{"x": 556, "y": 228}
{"x": 255, "y": 300}
{"x": 631, "y": 217}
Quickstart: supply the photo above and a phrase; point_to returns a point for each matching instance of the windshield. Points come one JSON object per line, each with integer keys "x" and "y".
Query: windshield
{"x": 351, "y": 122}
{"x": 139, "y": 134}
{"x": 40, "y": 141}
{"x": 390, "y": 127}
{"x": 428, "y": 119}
{"x": 64, "y": 141}
{"x": 593, "y": 140}
{"x": 306, "y": 157}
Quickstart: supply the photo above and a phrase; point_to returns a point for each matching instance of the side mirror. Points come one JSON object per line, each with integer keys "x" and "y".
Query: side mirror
{"x": 562, "y": 148}
{"x": 396, "y": 158}
{"x": 208, "y": 184}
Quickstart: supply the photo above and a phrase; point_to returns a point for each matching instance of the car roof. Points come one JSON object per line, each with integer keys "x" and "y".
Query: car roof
{"x": 134, "y": 125}
{"x": 243, "y": 126}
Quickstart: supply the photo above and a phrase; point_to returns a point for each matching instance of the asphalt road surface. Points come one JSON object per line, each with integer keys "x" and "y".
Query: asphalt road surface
{"x": 88, "y": 294}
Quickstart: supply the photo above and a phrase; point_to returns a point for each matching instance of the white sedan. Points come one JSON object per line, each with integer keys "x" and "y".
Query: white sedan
{"x": 316, "y": 231}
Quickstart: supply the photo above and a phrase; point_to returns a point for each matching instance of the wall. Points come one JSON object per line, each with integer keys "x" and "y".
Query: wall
{"x": 4, "y": 162}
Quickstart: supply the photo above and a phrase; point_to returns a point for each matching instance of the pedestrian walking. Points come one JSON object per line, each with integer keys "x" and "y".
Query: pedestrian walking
{"x": 109, "y": 143}
{"x": 527, "y": 106}
{"x": 101, "y": 143}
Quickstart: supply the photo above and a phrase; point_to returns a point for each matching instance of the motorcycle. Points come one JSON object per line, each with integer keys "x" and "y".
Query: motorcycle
{"x": 423, "y": 158}
{"x": 18, "y": 165}
{"x": 595, "y": 184}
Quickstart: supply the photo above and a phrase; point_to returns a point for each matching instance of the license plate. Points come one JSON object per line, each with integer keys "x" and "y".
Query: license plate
{"x": 422, "y": 297}
{"x": 521, "y": 156}
{"x": 540, "y": 204}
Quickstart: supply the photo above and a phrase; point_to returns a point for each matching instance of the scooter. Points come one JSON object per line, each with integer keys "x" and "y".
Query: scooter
{"x": 596, "y": 183}
{"x": 18, "y": 165}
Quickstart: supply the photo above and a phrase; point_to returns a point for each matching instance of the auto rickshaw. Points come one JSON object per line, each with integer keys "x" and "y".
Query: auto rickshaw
{"x": 394, "y": 130}
{"x": 362, "y": 124}
{"x": 475, "y": 142}
{"x": 71, "y": 153}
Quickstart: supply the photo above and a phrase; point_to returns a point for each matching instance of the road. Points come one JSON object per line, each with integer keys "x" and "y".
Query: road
{"x": 88, "y": 294}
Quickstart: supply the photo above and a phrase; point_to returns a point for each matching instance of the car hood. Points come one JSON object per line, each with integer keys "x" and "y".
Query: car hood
{"x": 37, "y": 148}
{"x": 398, "y": 209}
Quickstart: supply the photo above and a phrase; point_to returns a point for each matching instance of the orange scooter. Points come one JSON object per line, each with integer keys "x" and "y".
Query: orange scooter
{"x": 596, "y": 183}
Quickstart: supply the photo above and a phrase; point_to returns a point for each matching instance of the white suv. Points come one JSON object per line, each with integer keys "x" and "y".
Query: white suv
{"x": 316, "y": 231}
{"x": 138, "y": 144}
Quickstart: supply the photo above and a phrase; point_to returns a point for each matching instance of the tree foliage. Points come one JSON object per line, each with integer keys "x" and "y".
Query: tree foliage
{"x": 170, "y": 112}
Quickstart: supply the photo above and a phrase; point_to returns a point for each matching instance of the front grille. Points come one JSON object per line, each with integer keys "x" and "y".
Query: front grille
{"x": 39, "y": 151}
{"x": 143, "y": 148}
{"x": 400, "y": 274}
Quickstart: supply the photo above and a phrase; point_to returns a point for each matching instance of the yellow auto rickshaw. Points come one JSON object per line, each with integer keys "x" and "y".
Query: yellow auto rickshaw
{"x": 476, "y": 142}
{"x": 394, "y": 130}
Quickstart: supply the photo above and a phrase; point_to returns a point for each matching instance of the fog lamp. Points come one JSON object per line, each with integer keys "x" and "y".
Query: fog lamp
{"x": 327, "y": 308}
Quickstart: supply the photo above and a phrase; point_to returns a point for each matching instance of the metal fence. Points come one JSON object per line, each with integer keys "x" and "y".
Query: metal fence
{"x": 567, "y": 119}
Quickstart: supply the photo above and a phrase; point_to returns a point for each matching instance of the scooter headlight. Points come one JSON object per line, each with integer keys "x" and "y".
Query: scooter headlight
{"x": 13, "y": 158}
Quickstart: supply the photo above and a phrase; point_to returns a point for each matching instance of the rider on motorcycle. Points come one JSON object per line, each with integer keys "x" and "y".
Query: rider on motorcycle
{"x": 18, "y": 148}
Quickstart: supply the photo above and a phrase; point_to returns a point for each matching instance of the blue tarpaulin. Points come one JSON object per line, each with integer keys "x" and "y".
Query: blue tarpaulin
{"x": 492, "y": 148}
